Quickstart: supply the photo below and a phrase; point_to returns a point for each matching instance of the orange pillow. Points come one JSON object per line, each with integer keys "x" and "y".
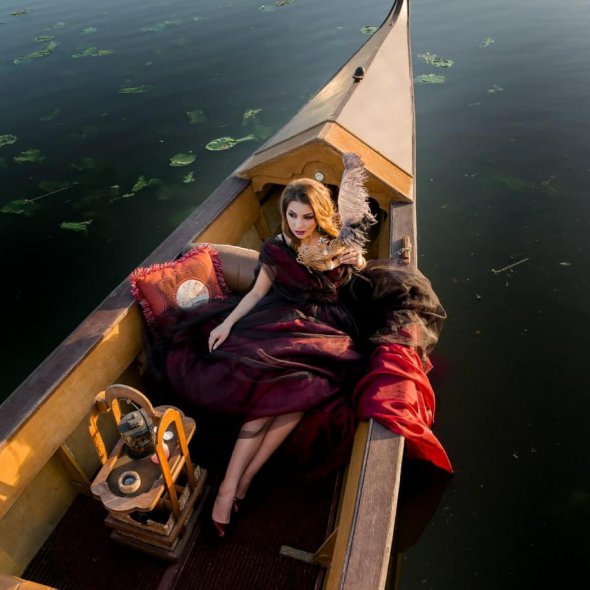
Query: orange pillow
{"x": 194, "y": 278}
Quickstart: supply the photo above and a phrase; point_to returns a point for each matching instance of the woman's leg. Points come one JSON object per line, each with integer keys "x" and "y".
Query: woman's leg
{"x": 276, "y": 433}
{"x": 249, "y": 440}
{"x": 257, "y": 441}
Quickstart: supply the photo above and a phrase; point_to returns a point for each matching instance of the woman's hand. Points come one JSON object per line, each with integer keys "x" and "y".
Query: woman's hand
{"x": 353, "y": 257}
{"x": 218, "y": 335}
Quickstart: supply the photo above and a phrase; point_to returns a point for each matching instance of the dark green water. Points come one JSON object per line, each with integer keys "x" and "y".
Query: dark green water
{"x": 503, "y": 177}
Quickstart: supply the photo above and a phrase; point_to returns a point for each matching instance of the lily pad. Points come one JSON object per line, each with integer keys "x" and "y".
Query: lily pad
{"x": 92, "y": 52}
{"x": 20, "y": 207}
{"x": 142, "y": 183}
{"x": 430, "y": 79}
{"x": 88, "y": 31}
{"x": 187, "y": 178}
{"x": 179, "y": 160}
{"x": 77, "y": 226}
{"x": 435, "y": 60}
{"x": 226, "y": 143}
{"x": 44, "y": 38}
{"x": 196, "y": 116}
{"x": 487, "y": 42}
{"x": 135, "y": 89}
{"x": 368, "y": 30}
{"x": 495, "y": 89}
{"x": 275, "y": 5}
{"x": 162, "y": 25}
{"x": 7, "y": 139}
{"x": 47, "y": 50}
{"x": 249, "y": 116}
{"x": 29, "y": 156}
{"x": 20, "y": 12}
{"x": 58, "y": 25}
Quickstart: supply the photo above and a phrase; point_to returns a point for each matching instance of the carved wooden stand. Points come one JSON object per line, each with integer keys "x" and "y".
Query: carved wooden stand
{"x": 159, "y": 516}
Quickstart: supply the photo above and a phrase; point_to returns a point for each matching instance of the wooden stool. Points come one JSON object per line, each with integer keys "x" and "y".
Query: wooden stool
{"x": 156, "y": 515}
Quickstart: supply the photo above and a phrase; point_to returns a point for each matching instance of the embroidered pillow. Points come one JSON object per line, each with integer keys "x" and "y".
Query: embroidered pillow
{"x": 194, "y": 278}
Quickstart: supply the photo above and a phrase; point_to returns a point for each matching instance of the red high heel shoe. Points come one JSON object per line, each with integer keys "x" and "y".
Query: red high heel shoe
{"x": 219, "y": 528}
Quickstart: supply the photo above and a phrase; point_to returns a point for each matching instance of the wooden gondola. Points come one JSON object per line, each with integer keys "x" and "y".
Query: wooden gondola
{"x": 46, "y": 455}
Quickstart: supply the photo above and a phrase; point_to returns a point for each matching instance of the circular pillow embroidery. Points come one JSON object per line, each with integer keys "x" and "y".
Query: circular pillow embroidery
{"x": 190, "y": 293}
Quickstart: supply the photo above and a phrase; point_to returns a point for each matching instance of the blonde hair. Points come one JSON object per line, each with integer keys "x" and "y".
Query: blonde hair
{"x": 317, "y": 196}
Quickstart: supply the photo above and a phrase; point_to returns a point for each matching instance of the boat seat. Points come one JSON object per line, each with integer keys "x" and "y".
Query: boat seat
{"x": 14, "y": 583}
{"x": 238, "y": 266}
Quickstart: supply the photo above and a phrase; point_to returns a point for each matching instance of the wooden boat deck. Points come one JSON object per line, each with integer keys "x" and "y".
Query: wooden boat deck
{"x": 283, "y": 508}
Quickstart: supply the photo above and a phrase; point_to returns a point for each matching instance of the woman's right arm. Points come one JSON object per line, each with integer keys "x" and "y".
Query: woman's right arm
{"x": 261, "y": 287}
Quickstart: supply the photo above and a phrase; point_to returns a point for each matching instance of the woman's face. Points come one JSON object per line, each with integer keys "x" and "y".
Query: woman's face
{"x": 300, "y": 219}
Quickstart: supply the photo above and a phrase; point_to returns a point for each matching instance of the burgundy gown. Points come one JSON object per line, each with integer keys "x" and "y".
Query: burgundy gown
{"x": 293, "y": 352}
{"x": 304, "y": 347}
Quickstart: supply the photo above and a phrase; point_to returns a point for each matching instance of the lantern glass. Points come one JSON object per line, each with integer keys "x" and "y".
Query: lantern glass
{"x": 137, "y": 431}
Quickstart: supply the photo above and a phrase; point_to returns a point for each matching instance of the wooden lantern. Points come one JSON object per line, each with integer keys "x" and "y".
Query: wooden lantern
{"x": 151, "y": 499}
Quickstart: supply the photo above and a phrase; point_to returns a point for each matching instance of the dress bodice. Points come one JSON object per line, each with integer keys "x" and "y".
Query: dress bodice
{"x": 297, "y": 283}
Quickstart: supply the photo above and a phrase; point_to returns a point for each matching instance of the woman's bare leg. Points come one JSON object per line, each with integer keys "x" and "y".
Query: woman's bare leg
{"x": 249, "y": 441}
{"x": 275, "y": 434}
{"x": 257, "y": 441}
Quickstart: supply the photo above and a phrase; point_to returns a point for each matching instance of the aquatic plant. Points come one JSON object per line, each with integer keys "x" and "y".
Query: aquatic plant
{"x": 435, "y": 60}
{"x": 187, "y": 178}
{"x": 92, "y": 52}
{"x": 24, "y": 207}
{"x": 7, "y": 139}
{"x": 249, "y": 116}
{"x": 47, "y": 50}
{"x": 487, "y": 42}
{"x": 495, "y": 89}
{"x": 142, "y": 183}
{"x": 429, "y": 79}
{"x": 77, "y": 226}
{"x": 135, "y": 89}
{"x": 274, "y": 5}
{"x": 29, "y": 156}
{"x": 161, "y": 25}
{"x": 226, "y": 143}
{"x": 179, "y": 160}
{"x": 88, "y": 30}
{"x": 368, "y": 30}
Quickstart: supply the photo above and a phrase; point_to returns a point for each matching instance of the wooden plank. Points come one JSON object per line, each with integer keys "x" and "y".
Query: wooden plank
{"x": 402, "y": 223}
{"x": 369, "y": 545}
{"x": 347, "y": 506}
{"x": 39, "y": 437}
